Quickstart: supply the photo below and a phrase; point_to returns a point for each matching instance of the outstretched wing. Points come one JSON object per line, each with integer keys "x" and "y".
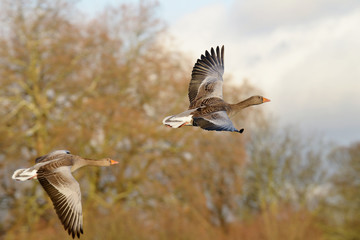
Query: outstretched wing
{"x": 216, "y": 121}
{"x": 206, "y": 78}
{"x": 64, "y": 192}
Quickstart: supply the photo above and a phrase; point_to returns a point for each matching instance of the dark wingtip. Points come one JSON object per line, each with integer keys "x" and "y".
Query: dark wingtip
{"x": 241, "y": 130}
{"x": 207, "y": 54}
{"x": 212, "y": 52}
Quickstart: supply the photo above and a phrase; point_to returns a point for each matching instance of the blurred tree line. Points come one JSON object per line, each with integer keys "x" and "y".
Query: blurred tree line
{"x": 100, "y": 87}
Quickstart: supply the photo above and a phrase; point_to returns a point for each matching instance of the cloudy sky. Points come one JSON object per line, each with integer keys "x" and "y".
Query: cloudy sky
{"x": 303, "y": 54}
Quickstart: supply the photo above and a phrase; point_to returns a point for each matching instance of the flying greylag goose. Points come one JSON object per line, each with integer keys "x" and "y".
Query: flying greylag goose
{"x": 207, "y": 108}
{"x": 54, "y": 174}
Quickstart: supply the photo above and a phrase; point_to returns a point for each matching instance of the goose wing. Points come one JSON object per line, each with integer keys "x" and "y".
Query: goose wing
{"x": 216, "y": 121}
{"x": 206, "y": 78}
{"x": 52, "y": 156}
{"x": 64, "y": 192}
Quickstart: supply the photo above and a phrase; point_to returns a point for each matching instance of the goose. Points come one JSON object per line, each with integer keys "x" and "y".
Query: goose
{"x": 54, "y": 174}
{"x": 207, "y": 108}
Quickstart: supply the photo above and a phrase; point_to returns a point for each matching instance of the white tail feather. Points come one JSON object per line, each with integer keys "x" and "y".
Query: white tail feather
{"x": 24, "y": 174}
{"x": 176, "y": 122}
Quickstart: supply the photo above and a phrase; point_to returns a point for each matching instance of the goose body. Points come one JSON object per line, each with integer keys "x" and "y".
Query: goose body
{"x": 54, "y": 174}
{"x": 207, "y": 108}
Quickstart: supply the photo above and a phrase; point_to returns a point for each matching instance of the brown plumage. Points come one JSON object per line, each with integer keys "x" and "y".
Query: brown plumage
{"x": 207, "y": 109}
{"x": 54, "y": 174}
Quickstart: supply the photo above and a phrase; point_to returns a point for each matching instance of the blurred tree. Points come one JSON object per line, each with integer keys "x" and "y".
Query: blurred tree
{"x": 100, "y": 87}
{"x": 343, "y": 201}
{"x": 41, "y": 54}
{"x": 283, "y": 172}
{"x": 95, "y": 87}
{"x": 202, "y": 176}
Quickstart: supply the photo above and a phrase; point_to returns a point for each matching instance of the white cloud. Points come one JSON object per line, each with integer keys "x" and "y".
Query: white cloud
{"x": 200, "y": 28}
{"x": 262, "y": 15}
{"x": 305, "y": 56}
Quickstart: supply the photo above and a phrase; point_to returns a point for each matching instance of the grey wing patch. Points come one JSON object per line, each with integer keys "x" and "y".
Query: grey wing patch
{"x": 206, "y": 78}
{"x": 51, "y": 156}
{"x": 216, "y": 121}
{"x": 64, "y": 192}
{"x": 41, "y": 158}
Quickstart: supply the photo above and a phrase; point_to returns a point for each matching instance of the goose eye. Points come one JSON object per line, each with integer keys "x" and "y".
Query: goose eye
{"x": 67, "y": 152}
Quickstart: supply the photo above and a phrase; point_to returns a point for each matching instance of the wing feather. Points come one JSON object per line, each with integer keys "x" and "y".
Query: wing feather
{"x": 52, "y": 156}
{"x": 64, "y": 192}
{"x": 209, "y": 69}
{"x": 216, "y": 121}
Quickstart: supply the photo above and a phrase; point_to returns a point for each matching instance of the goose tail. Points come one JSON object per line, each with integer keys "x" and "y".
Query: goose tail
{"x": 177, "y": 122}
{"x": 181, "y": 119}
{"x": 24, "y": 174}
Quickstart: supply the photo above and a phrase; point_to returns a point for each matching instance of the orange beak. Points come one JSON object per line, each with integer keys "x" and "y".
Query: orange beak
{"x": 113, "y": 162}
{"x": 266, "y": 100}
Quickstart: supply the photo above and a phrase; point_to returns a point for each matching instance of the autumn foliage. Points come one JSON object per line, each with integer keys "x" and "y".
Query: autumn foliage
{"x": 99, "y": 86}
